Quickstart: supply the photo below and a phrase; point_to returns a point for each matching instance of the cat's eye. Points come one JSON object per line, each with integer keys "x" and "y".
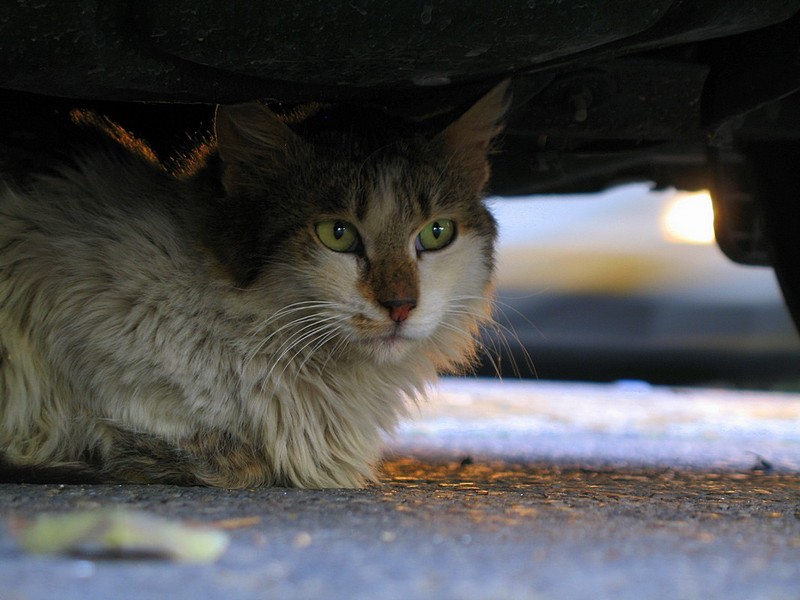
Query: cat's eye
{"x": 436, "y": 235}
{"x": 339, "y": 236}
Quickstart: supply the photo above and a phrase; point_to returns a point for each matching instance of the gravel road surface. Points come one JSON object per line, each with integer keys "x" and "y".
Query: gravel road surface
{"x": 508, "y": 490}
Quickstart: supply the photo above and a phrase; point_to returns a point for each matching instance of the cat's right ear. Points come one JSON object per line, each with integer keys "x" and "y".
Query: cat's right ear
{"x": 468, "y": 140}
{"x": 250, "y": 136}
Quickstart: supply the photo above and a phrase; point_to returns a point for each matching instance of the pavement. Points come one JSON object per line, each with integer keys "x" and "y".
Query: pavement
{"x": 496, "y": 490}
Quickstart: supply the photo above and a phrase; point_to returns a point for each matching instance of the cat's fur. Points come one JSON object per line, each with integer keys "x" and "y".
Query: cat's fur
{"x": 189, "y": 327}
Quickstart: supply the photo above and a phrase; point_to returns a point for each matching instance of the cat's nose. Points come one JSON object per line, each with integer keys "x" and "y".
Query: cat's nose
{"x": 399, "y": 309}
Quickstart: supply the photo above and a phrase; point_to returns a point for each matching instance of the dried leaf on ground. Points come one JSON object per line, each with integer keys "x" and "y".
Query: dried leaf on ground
{"x": 119, "y": 534}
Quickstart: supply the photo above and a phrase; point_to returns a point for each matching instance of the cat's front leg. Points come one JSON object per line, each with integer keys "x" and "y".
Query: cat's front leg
{"x": 208, "y": 458}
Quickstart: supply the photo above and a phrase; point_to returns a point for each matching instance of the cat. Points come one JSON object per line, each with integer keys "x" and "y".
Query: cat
{"x": 259, "y": 315}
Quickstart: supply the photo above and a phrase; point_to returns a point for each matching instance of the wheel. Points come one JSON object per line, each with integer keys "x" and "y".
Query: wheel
{"x": 776, "y": 171}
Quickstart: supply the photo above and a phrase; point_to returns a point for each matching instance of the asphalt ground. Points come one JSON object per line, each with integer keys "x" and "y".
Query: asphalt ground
{"x": 495, "y": 491}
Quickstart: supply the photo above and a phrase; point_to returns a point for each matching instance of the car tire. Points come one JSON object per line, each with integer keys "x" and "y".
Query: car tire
{"x": 776, "y": 170}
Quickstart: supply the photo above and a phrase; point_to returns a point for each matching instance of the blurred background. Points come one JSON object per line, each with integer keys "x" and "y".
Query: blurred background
{"x": 629, "y": 284}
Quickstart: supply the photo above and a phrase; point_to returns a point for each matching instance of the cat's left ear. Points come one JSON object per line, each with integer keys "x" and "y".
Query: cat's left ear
{"x": 469, "y": 138}
{"x": 250, "y": 135}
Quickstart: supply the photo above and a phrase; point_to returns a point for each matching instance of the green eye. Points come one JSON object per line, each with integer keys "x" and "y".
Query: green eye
{"x": 436, "y": 235}
{"x": 339, "y": 236}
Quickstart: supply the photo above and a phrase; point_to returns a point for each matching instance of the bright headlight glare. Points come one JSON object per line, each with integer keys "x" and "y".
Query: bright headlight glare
{"x": 689, "y": 219}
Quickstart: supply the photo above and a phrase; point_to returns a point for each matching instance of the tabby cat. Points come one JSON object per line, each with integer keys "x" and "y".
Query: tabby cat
{"x": 258, "y": 316}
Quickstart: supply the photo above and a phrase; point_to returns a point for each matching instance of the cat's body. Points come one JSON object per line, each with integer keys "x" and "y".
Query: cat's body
{"x": 211, "y": 327}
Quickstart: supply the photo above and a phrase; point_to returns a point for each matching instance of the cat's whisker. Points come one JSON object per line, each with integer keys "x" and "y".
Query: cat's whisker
{"x": 502, "y": 330}
{"x": 501, "y": 347}
{"x": 497, "y": 305}
{"x": 314, "y": 317}
{"x": 481, "y": 345}
{"x": 335, "y": 352}
{"x": 297, "y": 338}
{"x": 319, "y": 338}
{"x": 309, "y": 327}
{"x": 290, "y": 309}
{"x": 492, "y": 354}
{"x": 332, "y": 332}
{"x": 500, "y": 305}
{"x": 464, "y": 333}
{"x": 488, "y": 347}
{"x": 502, "y": 333}
{"x": 308, "y": 323}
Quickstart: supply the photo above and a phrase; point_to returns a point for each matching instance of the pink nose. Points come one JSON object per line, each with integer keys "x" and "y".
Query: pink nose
{"x": 399, "y": 309}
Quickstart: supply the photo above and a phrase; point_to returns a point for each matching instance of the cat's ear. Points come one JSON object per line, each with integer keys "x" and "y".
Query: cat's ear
{"x": 250, "y": 136}
{"x": 469, "y": 138}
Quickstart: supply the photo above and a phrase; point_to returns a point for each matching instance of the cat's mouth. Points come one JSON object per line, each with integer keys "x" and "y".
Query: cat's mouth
{"x": 388, "y": 343}
{"x": 386, "y": 339}
{"x": 392, "y": 338}
{"x": 389, "y": 348}
{"x": 396, "y": 337}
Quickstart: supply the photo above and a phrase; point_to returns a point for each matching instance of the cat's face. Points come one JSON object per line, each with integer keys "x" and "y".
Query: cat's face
{"x": 379, "y": 243}
{"x": 402, "y": 270}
